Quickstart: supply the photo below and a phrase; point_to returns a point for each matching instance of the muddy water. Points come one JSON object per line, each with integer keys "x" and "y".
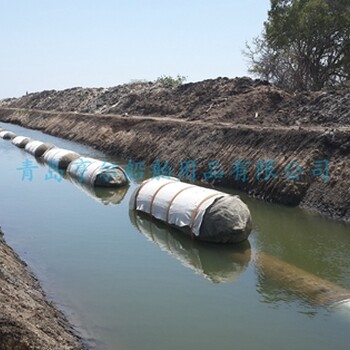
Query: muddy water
{"x": 129, "y": 283}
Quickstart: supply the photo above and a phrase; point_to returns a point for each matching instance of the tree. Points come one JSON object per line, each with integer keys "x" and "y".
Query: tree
{"x": 305, "y": 44}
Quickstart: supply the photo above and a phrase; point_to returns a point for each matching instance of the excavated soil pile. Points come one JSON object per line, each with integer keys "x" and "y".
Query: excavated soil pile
{"x": 240, "y": 100}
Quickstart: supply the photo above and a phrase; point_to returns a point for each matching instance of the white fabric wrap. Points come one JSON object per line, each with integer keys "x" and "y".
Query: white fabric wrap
{"x": 188, "y": 207}
{"x": 54, "y": 156}
{"x": 32, "y": 146}
{"x": 87, "y": 169}
{"x": 5, "y": 133}
{"x": 19, "y": 139}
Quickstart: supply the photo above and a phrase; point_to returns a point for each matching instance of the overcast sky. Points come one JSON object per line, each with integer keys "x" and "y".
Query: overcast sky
{"x": 66, "y": 43}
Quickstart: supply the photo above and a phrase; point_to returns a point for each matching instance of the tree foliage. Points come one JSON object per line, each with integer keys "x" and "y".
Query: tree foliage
{"x": 305, "y": 44}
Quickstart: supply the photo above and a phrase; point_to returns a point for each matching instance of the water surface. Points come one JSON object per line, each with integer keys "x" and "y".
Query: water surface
{"x": 132, "y": 284}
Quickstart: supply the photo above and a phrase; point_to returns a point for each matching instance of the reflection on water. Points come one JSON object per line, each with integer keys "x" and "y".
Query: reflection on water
{"x": 309, "y": 241}
{"x": 104, "y": 195}
{"x": 218, "y": 263}
{"x": 280, "y": 281}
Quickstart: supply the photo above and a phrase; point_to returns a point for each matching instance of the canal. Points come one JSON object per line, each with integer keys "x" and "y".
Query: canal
{"x": 129, "y": 283}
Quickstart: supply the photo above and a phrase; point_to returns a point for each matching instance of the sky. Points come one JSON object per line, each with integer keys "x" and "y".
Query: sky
{"x": 61, "y": 44}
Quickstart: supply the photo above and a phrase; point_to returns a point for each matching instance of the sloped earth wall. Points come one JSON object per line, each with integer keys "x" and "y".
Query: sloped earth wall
{"x": 165, "y": 139}
{"x": 27, "y": 320}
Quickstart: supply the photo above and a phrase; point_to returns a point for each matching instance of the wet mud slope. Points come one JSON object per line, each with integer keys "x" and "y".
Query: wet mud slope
{"x": 27, "y": 320}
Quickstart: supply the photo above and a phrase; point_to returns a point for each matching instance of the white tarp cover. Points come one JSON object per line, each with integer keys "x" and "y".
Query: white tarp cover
{"x": 87, "y": 169}
{"x": 174, "y": 202}
{"x": 7, "y": 133}
{"x": 55, "y": 155}
{"x": 32, "y": 146}
{"x": 19, "y": 139}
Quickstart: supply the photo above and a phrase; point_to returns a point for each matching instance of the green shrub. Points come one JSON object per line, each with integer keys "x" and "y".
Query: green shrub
{"x": 168, "y": 80}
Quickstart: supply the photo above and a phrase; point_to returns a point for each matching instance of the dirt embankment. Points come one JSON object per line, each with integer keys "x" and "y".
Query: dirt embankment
{"x": 27, "y": 320}
{"x": 240, "y": 100}
{"x": 223, "y": 120}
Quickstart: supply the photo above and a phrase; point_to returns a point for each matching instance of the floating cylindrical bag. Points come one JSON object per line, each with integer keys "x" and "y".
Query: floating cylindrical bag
{"x": 104, "y": 195}
{"x": 59, "y": 158}
{"x": 206, "y": 214}
{"x": 37, "y": 148}
{"x": 217, "y": 263}
{"x": 94, "y": 172}
{"x": 21, "y": 141}
{"x": 7, "y": 135}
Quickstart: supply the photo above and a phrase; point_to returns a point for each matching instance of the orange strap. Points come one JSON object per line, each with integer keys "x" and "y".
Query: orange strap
{"x": 195, "y": 212}
{"x": 155, "y": 195}
{"x": 172, "y": 201}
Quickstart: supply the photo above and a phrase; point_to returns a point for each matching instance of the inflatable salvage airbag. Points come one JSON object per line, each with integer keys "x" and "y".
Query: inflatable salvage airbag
{"x": 94, "y": 172}
{"x": 37, "y": 148}
{"x": 7, "y": 135}
{"x": 206, "y": 214}
{"x": 21, "y": 141}
{"x": 59, "y": 158}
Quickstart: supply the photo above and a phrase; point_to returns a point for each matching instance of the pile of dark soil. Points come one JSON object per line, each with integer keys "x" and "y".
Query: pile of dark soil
{"x": 239, "y": 100}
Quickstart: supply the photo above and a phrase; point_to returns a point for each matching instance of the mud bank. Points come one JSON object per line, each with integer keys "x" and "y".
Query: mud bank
{"x": 27, "y": 320}
{"x": 150, "y": 139}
